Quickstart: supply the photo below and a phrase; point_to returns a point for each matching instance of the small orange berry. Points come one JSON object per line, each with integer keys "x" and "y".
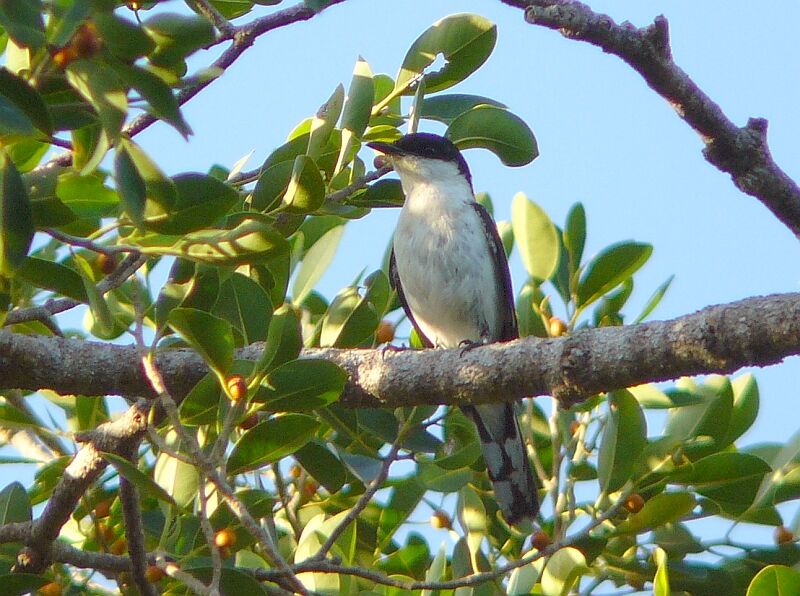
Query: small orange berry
{"x": 440, "y": 520}
{"x": 385, "y": 332}
{"x": 634, "y": 503}
{"x": 540, "y": 540}
{"x": 106, "y": 263}
{"x": 783, "y": 535}
{"x": 86, "y": 41}
{"x": 102, "y": 509}
{"x": 106, "y": 532}
{"x": 557, "y": 327}
{"x": 237, "y": 387}
{"x": 171, "y": 568}
{"x": 118, "y": 547}
{"x": 64, "y": 56}
{"x": 573, "y": 427}
{"x": 154, "y": 574}
{"x": 311, "y": 487}
{"x": 225, "y": 538}
{"x": 295, "y": 471}
{"x": 51, "y": 589}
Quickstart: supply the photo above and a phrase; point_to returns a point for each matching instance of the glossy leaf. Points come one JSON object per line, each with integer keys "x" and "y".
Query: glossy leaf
{"x": 306, "y": 189}
{"x": 610, "y": 268}
{"x": 16, "y": 219}
{"x": 103, "y": 318}
{"x": 271, "y": 186}
{"x": 536, "y": 236}
{"x": 775, "y": 580}
{"x": 745, "y": 407}
{"x": 102, "y": 88}
{"x": 246, "y": 306}
{"x": 200, "y": 202}
{"x": 562, "y": 571}
{"x": 498, "y": 130}
{"x": 26, "y": 99}
{"x": 15, "y": 505}
{"x": 350, "y": 320}
{"x": 253, "y": 240}
{"x": 179, "y": 479}
{"x": 446, "y": 108}
{"x": 124, "y": 39}
{"x": 726, "y": 478}
{"x": 465, "y": 41}
{"x": 321, "y": 126}
{"x": 300, "y": 385}
{"x": 22, "y": 19}
{"x": 654, "y": 300}
{"x": 271, "y": 440}
{"x": 316, "y": 262}
{"x": 322, "y": 465}
{"x": 145, "y": 484}
{"x": 201, "y": 404}
{"x": 210, "y": 336}
{"x": 358, "y": 105}
{"x": 575, "y": 235}
{"x": 624, "y": 437}
{"x": 659, "y": 510}
{"x": 176, "y": 37}
{"x": 661, "y": 579}
{"x": 232, "y": 580}
{"x": 54, "y": 277}
{"x": 284, "y": 340}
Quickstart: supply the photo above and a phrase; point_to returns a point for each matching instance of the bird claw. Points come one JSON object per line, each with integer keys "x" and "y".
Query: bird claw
{"x": 467, "y": 344}
{"x": 392, "y": 348}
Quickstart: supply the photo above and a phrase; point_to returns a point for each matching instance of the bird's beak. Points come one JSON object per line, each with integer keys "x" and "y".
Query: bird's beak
{"x": 386, "y": 148}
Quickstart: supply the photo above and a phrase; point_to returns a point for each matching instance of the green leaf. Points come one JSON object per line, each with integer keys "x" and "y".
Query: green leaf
{"x": 87, "y": 196}
{"x": 232, "y": 581}
{"x": 26, "y": 99}
{"x": 661, "y": 579}
{"x": 383, "y": 193}
{"x": 654, "y": 300}
{"x": 300, "y": 385}
{"x": 15, "y": 506}
{"x": 271, "y": 440}
{"x": 162, "y": 103}
{"x": 179, "y": 479}
{"x": 176, "y": 37}
{"x": 437, "y": 479}
{"x": 624, "y": 438}
{"x": 102, "y": 88}
{"x": 562, "y": 571}
{"x": 252, "y": 240}
{"x": 306, "y": 189}
{"x": 201, "y": 404}
{"x": 498, "y": 130}
{"x": 55, "y": 277}
{"x": 745, "y": 407}
{"x": 22, "y": 20}
{"x": 575, "y": 235}
{"x": 200, "y": 202}
{"x": 610, "y": 268}
{"x": 446, "y": 108}
{"x": 321, "y": 127}
{"x": 316, "y": 262}
{"x": 271, "y": 186}
{"x": 231, "y": 9}
{"x": 22, "y": 583}
{"x": 704, "y": 427}
{"x": 246, "y": 306}
{"x": 405, "y": 496}
{"x": 90, "y": 411}
{"x": 464, "y": 40}
{"x": 659, "y": 510}
{"x": 135, "y": 476}
{"x": 124, "y": 39}
{"x": 775, "y": 580}
{"x": 536, "y": 236}
{"x": 104, "y": 326}
{"x": 16, "y": 219}
{"x": 146, "y": 192}
{"x": 649, "y": 396}
{"x": 360, "y": 94}
{"x": 322, "y": 465}
{"x": 284, "y": 340}
{"x": 726, "y": 478}
{"x": 350, "y": 320}
{"x": 210, "y": 336}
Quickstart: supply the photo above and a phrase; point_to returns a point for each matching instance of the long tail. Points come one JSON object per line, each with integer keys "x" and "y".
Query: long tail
{"x": 506, "y": 460}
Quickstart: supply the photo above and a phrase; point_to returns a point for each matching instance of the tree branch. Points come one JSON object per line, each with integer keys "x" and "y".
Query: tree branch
{"x": 82, "y": 471}
{"x": 718, "y": 339}
{"x": 741, "y": 152}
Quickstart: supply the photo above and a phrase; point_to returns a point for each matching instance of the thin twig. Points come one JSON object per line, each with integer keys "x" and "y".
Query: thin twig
{"x": 212, "y": 14}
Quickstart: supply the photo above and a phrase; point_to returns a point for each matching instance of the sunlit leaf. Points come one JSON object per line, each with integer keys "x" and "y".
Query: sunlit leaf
{"x": 271, "y": 440}
{"x": 498, "y": 130}
{"x": 210, "y": 336}
{"x": 536, "y": 236}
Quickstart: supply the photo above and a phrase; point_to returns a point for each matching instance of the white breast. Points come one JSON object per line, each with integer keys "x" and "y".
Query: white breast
{"x": 444, "y": 262}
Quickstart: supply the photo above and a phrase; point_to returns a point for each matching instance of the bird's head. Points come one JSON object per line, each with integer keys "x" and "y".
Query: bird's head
{"x": 423, "y": 157}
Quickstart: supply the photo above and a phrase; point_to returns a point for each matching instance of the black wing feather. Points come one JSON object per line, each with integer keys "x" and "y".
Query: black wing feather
{"x": 394, "y": 281}
{"x": 509, "y": 328}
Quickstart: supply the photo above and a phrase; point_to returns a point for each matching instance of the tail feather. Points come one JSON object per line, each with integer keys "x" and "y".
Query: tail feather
{"x": 506, "y": 460}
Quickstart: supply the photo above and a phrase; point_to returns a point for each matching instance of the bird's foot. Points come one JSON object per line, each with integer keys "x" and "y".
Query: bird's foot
{"x": 467, "y": 344}
{"x": 392, "y": 348}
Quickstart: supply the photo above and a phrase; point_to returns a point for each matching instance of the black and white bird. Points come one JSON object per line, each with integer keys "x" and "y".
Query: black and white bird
{"x": 450, "y": 272}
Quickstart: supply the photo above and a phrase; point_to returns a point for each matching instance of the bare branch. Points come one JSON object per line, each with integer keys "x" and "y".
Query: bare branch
{"x": 718, "y": 339}
{"x": 741, "y": 152}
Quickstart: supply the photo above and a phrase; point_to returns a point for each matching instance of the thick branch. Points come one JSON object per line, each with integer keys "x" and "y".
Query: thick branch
{"x": 718, "y": 339}
{"x": 741, "y": 152}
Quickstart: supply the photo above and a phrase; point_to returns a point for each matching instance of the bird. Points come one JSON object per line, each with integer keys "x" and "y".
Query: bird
{"x": 450, "y": 272}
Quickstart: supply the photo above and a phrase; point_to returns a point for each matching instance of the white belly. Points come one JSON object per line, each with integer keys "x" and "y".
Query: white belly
{"x": 447, "y": 273}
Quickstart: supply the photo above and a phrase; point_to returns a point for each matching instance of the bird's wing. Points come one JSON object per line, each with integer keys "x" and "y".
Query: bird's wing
{"x": 508, "y": 328}
{"x": 394, "y": 281}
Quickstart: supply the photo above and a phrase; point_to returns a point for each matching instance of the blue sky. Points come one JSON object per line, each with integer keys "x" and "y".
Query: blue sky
{"x": 605, "y": 139}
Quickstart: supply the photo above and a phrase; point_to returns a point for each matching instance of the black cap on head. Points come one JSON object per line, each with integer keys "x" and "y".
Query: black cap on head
{"x": 425, "y": 145}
